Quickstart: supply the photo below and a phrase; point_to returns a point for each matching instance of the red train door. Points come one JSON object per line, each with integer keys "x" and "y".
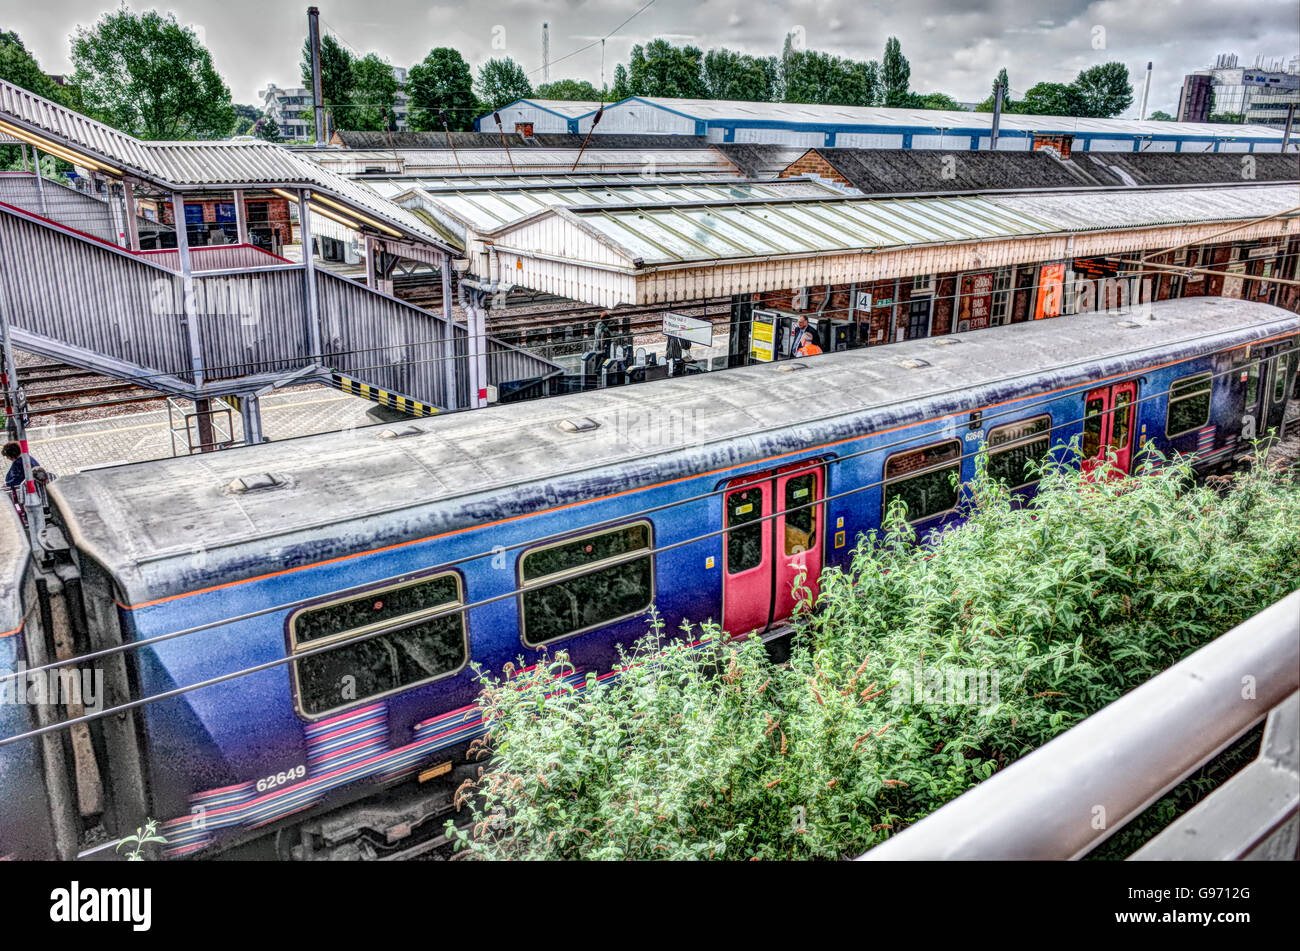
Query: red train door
{"x": 773, "y": 535}
{"x": 1108, "y": 416}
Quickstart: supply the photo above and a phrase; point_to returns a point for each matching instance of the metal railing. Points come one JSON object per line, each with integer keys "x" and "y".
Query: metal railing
{"x": 1067, "y": 797}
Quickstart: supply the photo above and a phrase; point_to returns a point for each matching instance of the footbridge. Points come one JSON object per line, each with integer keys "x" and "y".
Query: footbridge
{"x": 206, "y": 313}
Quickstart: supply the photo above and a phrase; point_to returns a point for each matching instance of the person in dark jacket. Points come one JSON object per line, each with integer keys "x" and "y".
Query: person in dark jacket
{"x": 14, "y": 478}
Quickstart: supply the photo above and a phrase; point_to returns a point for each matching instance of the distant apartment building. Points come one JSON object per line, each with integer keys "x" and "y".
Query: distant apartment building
{"x": 292, "y": 109}
{"x": 1261, "y": 93}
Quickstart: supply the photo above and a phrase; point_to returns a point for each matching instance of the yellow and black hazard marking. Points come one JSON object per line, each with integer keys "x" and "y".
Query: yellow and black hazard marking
{"x": 373, "y": 393}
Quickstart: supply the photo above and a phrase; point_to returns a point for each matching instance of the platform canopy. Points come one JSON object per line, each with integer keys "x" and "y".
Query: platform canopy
{"x": 665, "y": 254}
{"x": 197, "y": 166}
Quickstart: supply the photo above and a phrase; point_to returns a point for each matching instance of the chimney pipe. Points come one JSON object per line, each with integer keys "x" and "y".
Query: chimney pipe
{"x": 313, "y": 36}
{"x": 997, "y": 118}
{"x": 1146, "y": 89}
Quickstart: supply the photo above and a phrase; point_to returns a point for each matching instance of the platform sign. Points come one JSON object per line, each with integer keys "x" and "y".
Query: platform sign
{"x": 762, "y": 337}
{"x": 689, "y": 328}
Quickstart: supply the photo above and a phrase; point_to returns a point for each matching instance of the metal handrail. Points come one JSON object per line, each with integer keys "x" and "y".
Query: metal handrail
{"x": 1067, "y": 797}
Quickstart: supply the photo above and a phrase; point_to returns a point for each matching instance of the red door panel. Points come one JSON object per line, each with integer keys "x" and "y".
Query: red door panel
{"x": 1109, "y": 414}
{"x": 798, "y": 535}
{"x": 1123, "y": 412}
{"x": 747, "y": 555}
{"x": 773, "y": 534}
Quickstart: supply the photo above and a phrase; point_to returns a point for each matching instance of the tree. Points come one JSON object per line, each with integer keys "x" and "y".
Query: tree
{"x": 336, "y": 79}
{"x": 1104, "y": 90}
{"x": 622, "y": 87}
{"x": 1007, "y": 104}
{"x": 245, "y": 118}
{"x": 20, "y": 68}
{"x": 441, "y": 81}
{"x": 1227, "y": 118}
{"x": 660, "y": 69}
{"x": 935, "y": 100}
{"x": 573, "y": 90}
{"x": 267, "y": 128}
{"x": 502, "y": 81}
{"x": 895, "y": 72}
{"x": 373, "y": 96}
{"x": 816, "y": 77}
{"x": 1052, "y": 99}
{"x": 731, "y": 75}
{"x": 1161, "y": 116}
{"x": 149, "y": 76}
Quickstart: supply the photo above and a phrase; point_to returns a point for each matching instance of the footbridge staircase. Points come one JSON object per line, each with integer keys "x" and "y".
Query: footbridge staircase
{"x": 239, "y": 322}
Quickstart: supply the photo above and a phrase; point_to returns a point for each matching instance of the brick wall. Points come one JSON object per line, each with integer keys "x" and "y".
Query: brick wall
{"x": 810, "y": 163}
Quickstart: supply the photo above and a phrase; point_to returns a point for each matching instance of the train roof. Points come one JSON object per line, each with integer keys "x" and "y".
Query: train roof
{"x": 14, "y": 564}
{"x": 175, "y": 525}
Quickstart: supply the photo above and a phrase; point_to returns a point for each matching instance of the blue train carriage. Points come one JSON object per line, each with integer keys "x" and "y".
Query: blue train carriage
{"x": 25, "y": 831}
{"x": 486, "y": 536}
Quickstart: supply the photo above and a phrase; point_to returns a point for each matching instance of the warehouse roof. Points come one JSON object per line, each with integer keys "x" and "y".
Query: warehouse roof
{"x": 1179, "y": 168}
{"x": 498, "y": 160}
{"x": 729, "y": 111}
{"x": 190, "y": 165}
{"x": 488, "y": 208}
{"x": 492, "y": 140}
{"x": 391, "y": 185}
{"x": 876, "y": 171}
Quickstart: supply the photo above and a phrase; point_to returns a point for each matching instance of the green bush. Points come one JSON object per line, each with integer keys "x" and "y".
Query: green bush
{"x": 1030, "y": 618}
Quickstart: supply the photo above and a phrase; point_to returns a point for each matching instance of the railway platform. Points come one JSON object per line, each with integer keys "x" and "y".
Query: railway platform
{"x": 67, "y": 447}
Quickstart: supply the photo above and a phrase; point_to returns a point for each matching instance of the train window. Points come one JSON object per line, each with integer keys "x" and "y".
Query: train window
{"x": 799, "y": 521}
{"x": 1252, "y": 384}
{"x": 1189, "y": 404}
{"x": 1092, "y": 428}
{"x": 922, "y": 479}
{"x": 744, "y": 529}
{"x": 585, "y": 582}
{"x": 415, "y": 652}
{"x": 1280, "y": 378}
{"x": 1121, "y": 420}
{"x": 1014, "y": 446}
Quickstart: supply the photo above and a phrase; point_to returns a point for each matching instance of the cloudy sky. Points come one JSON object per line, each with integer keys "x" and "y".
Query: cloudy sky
{"x": 954, "y": 47}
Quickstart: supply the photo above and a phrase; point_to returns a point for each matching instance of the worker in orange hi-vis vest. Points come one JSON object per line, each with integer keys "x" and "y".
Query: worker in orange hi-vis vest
{"x": 803, "y": 343}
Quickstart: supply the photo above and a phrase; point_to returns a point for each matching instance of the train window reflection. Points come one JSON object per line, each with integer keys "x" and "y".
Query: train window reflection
{"x": 923, "y": 479}
{"x": 586, "y": 582}
{"x": 745, "y": 529}
{"x": 1189, "y": 404}
{"x": 415, "y": 652}
{"x": 1014, "y": 446}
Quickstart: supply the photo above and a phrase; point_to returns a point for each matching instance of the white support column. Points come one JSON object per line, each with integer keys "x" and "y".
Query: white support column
{"x": 132, "y": 225}
{"x": 309, "y": 277}
{"x": 40, "y": 181}
{"x": 370, "y": 261}
{"x": 241, "y": 218}
{"x": 479, "y": 352}
{"x": 187, "y": 284}
{"x": 447, "y": 340}
{"x": 250, "y": 412}
{"x": 115, "y": 212}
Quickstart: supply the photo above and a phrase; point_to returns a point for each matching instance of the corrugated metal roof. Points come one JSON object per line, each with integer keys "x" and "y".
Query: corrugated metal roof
{"x": 492, "y": 140}
{"x": 721, "y": 110}
{"x": 1146, "y": 208}
{"x": 197, "y": 164}
{"x": 391, "y": 185}
{"x": 714, "y": 232}
{"x": 488, "y": 209}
